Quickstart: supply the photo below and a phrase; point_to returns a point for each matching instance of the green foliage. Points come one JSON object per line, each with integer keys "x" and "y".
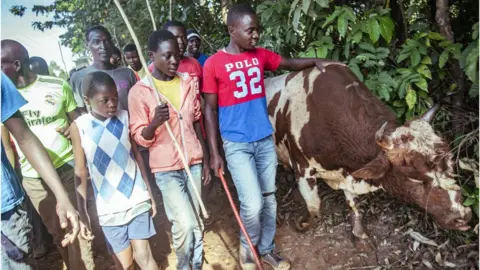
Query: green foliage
{"x": 78, "y": 15}
{"x": 320, "y": 48}
{"x": 401, "y": 75}
{"x": 471, "y": 198}
{"x": 469, "y": 61}
{"x": 55, "y": 70}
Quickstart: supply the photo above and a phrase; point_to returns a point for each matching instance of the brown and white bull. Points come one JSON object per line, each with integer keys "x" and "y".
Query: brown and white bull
{"x": 331, "y": 126}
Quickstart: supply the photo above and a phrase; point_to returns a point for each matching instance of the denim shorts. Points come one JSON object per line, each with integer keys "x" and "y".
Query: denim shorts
{"x": 118, "y": 237}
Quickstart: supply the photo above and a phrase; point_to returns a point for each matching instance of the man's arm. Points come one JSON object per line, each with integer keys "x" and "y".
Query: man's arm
{"x": 296, "y": 64}
{"x": 81, "y": 179}
{"x": 161, "y": 116}
{"x": 81, "y": 111}
{"x": 199, "y": 74}
{"x": 143, "y": 171}
{"x": 206, "y": 157}
{"x": 81, "y": 174}
{"x": 73, "y": 115}
{"x": 66, "y": 131}
{"x": 142, "y": 130}
{"x": 211, "y": 124}
{"x": 7, "y": 146}
{"x": 38, "y": 157}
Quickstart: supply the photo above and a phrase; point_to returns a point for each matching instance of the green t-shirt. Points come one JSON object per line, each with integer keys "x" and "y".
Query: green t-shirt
{"x": 49, "y": 101}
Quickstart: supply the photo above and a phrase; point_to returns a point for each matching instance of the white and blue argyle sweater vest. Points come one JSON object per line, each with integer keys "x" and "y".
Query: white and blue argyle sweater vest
{"x": 116, "y": 178}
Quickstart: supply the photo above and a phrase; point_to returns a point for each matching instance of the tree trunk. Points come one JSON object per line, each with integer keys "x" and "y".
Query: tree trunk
{"x": 224, "y": 5}
{"x": 398, "y": 15}
{"x": 170, "y": 12}
{"x": 431, "y": 10}
{"x": 442, "y": 17}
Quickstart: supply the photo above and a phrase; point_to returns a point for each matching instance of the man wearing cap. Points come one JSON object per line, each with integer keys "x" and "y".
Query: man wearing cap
{"x": 193, "y": 46}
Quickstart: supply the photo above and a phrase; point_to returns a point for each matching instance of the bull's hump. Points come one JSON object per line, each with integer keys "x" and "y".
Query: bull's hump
{"x": 274, "y": 85}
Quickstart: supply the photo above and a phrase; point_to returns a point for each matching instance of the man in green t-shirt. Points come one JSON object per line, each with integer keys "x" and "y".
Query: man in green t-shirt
{"x": 48, "y": 113}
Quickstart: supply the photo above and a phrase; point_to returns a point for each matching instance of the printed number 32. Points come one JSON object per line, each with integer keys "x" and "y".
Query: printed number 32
{"x": 254, "y": 74}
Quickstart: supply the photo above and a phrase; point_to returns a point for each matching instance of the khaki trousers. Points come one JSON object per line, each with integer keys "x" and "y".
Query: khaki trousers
{"x": 77, "y": 255}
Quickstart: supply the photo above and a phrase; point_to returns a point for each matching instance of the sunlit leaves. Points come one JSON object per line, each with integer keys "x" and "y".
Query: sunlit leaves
{"x": 387, "y": 28}
{"x": 442, "y": 59}
{"x": 373, "y": 29}
{"x": 411, "y": 97}
{"x": 342, "y": 25}
{"x": 322, "y": 3}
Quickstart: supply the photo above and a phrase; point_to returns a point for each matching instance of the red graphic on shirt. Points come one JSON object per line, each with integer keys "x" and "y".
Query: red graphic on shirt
{"x": 238, "y": 78}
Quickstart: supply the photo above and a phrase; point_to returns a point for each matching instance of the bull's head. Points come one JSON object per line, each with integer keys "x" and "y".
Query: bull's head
{"x": 416, "y": 166}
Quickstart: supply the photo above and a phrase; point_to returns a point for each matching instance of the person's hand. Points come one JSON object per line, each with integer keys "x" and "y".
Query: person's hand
{"x": 65, "y": 131}
{"x": 323, "y": 63}
{"x": 154, "y": 207}
{"x": 68, "y": 217}
{"x": 85, "y": 227}
{"x": 86, "y": 231}
{"x": 216, "y": 162}
{"x": 161, "y": 115}
{"x": 206, "y": 176}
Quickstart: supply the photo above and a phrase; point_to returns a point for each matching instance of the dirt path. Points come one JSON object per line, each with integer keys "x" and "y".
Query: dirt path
{"x": 328, "y": 245}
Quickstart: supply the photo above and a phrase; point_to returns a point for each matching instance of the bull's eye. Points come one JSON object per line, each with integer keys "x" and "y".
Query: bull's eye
{"x": 404, "y": 162}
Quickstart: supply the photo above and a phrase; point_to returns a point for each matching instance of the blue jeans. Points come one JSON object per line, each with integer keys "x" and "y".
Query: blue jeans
{"x": 253, "y": 167}
{"x": 182, "y": 209}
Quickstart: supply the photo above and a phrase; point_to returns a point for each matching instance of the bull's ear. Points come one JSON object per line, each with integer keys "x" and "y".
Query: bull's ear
{"x": 374, "y": 169}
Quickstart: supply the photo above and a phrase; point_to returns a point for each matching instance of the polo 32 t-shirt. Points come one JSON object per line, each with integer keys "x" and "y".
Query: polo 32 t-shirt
{"x": 237, "y": 79}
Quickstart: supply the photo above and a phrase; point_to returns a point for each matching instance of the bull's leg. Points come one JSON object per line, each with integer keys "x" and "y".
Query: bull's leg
{"x": 309, "y": 190}
{"x": 357, "y": 226}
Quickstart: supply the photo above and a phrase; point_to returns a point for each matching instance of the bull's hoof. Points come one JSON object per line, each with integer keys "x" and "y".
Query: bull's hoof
{"x": 360, "y": 233}
{"x": 357, "y": 226}
{"x": 303, "y": 224}
{"x": 361, "y": 239}
{"x": 364, "y": 245}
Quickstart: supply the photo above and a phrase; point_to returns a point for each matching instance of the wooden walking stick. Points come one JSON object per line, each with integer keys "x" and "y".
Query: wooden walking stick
{"x": 256, "y": 257}
{"x": 159, "y": 102}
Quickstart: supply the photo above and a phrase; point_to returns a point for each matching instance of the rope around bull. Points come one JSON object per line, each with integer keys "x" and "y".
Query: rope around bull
{"x": 159, "y": 101}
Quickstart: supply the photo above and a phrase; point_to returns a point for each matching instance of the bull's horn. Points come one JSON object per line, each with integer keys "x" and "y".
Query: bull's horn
{"x": 430, "y": 114}
{"x": 380, "y": 137}
{"x": 379, "y": 133}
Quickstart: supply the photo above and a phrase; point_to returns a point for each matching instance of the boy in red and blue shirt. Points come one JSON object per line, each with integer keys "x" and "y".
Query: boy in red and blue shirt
{"x": 233, "y": 83}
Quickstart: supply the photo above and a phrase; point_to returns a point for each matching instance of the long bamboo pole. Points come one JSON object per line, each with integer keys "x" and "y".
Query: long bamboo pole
{"x": 159, "y": 102}
{"x": 151, "y": 15}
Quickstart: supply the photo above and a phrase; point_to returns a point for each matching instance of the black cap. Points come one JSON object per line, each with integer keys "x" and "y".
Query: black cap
{"x": 192, "y": 33}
